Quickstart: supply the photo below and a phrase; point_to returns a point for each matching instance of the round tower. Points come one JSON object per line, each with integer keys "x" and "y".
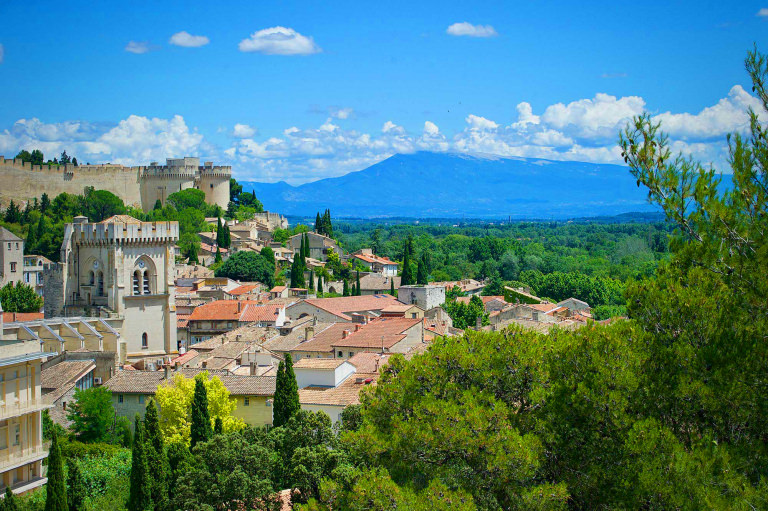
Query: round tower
{"x": 214, "y": 181}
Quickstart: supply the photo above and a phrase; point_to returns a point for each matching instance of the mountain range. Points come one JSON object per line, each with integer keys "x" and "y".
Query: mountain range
{"x": 450, "y": 185}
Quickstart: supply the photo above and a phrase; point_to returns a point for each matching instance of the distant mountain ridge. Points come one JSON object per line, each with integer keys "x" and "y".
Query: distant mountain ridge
{"x": 449, "y": 185}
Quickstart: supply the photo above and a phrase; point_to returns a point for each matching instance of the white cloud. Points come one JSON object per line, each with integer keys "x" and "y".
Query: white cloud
{"x": 188, "y": 40}
{"x": 243, "y": 131}
{"x": 391, "y": 127}
{"x": 762, "y": 12}
{"x": 728, "y": 115}
{"x": 279, "y": 41}
{"x": 480, "y": 123}
{"x": 137, "y": 47}
{"x": 2, "y": 53}
{"x": 342, "y": 113}
{"x": 135, "y": 140}
{"x": 430, "y": 128}
{"x": 470, "y": 30}
{"x": 598, "y": 118}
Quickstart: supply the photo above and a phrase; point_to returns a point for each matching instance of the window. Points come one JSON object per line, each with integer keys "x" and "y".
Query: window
{"x": 141, "y": 399}
{"x": 146, "y": 283}
{"x": 13, "y": 267}
{"x": 16, "y": 434}
{"x": 100, "y": 291}
{"x": 413, "y": 315}
{"x": 91, "y": 278}
{"x": 17, "y": 245}
{"x": 120, "y": 398}
{"x": 341, "y": 354}
{"x": 350, "y": 354}
{"x": 26, "y": 277}
{"x": 246, "y": 401}
{"x": 144, "y": 341}
{"x": 136, "y": 276}
{"x": 39, "y": 278}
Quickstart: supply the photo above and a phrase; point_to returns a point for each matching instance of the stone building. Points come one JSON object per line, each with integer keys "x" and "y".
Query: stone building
{"x": 11, "y": 257}
{"x": 33, "y": 271}
{"x": 21, "y": 404}
{"x": 427, "y": 297}
{"x": 120, "y": 268}
{"x": 319, "y": 245}
{"x": 138, "y": 186}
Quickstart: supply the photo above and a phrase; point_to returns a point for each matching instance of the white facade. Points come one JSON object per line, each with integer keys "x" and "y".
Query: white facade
{"x": 427, "y": 297}
{"x": 322, "y": 377}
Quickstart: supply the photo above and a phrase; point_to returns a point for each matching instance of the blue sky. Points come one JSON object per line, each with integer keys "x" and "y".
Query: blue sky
{"x": 340, "y": 85}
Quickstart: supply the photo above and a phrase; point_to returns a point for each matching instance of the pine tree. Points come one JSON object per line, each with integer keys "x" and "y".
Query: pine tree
{"x": 219, "y": 232}
{"x": 218, "y": 426}
{"x": 392, "y": 286}
{"x": 200, "y": 430}
{"x": 31, "y": 243}
{"x": 218, "y": 256}
{"x": 56, "y": 489}
{"x": 311, "y": 284}
{"x": 346, "y": 288}
{"x": 156, "y": 458}
{"x": 421, "y": 273}
{"x": 318, "y": 224}
{"x": 319, "y": 285}
{"x": 139, "y": 496}
{"x": 75, "y": 487}
{"x": 357, "y": 284}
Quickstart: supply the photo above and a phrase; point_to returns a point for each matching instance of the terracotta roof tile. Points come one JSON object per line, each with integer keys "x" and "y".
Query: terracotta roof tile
{"x": 348, "y": 393}
{"x": 343, "y": 305}
{"x": 319, "y": 363}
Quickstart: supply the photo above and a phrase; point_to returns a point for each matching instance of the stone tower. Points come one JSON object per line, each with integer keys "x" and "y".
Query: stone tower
{"x": 159, "y": 181}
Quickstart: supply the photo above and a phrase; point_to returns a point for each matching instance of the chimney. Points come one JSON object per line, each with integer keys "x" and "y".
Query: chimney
{"x": 309, "y": 333}
{"x": 204, "y": 364}
{"x": 252, "y": 370}
{"x": 178, "y": 366}
{"x": 345, "y": 334}
{"x": 357, "y": 328}
{"x": 167, "y": 369}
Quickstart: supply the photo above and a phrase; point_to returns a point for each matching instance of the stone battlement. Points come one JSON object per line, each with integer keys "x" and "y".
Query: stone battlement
{"x": 142, "y": 170}
{"x": 120, "y": 232}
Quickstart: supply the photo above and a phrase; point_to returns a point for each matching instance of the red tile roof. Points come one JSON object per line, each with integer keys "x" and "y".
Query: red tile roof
{"x": 485, "y": 299}
{"x": 343, "y": 305}
{"x": 235, "y": 310}
{"x": 380, "y": 332}
{"x": 244, "y": 289}
{"x": 186, "y": 357}
{"x": 374, "y": 259}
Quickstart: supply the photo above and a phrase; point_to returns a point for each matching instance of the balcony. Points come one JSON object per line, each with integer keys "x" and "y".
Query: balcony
{"x": 15, "y": 457}
{"x": 17, "y": 407}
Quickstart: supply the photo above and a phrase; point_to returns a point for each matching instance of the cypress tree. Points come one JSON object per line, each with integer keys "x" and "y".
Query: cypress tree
{"x": 9, "y": 502}
{"x": 158, "y": 205}
{"x": 421, "y": 273}
{"x": 311, "y": 285}
{"x": 305, "y": 240}
{"x": 219, "y": 232}
{"x": 200, "y": 429}
{"x": 407, "y": 276}
{"x": 56, "y": 489}
{"x": 156, "y": 458}
{"x": 192, "y": 254}
{"x": 218, "y": 426}
{"x": 218, "y": 256}
{"x": 319, "y": 285}
{"x": 318, "y": 224}
{"x": 357, "y": 284}
{"x": 31, "y": 242}
{"x": 139, "y": 496}
{"x": 292, "y": 404}
{"x": 75, "y": 488}
{"x": 278, "y": 404}
{"x": 40, "y": 228}
{"x": 392, "y": 287}
{"x": 346, "y": 288}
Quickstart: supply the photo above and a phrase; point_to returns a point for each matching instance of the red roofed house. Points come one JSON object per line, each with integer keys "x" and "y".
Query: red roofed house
{"x": 378, "y": 264}
{"x": 221, "y": 316}
{"x": 344, "y": 340}
{"x": 330, "y": 310}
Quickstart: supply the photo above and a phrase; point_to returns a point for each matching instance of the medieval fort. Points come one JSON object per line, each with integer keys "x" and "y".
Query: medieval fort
{"x": 138, "y": 186}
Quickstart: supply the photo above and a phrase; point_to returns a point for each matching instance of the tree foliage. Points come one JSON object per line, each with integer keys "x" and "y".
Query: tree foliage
{"x": 20, "y": 297}
{"x": 286, "y": 402}
{"x": 248, "y": 266}
{"x": 56, "y": 489}
{"x": 92, "y": 414}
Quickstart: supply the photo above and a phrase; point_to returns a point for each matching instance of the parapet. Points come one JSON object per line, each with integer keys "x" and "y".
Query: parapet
{"x": 148, "y": 171}
{"x": 126, "y": 232}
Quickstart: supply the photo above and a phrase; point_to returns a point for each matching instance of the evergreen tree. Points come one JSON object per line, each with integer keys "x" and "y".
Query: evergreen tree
{"x": 56, "y": 489}
{"x": 192, "y": 254}
{"x": 346, "y": 288}
{"x": 13, "y": 213}
{"x": 392, "y": 287}
{"x": 74, "y": 161}
{"x": 292, "y": 404}
{"x": 9, "y": 503}
{"x": 318, "y": 224}
{"x": 156, "y": 459}
{"x": 158, "y": 205}
{"x": 219, "y": 232}
{"x": 45, "y": 203}
{"x": 218, "y": 426}
{"x": 218, "y": 256}
{"x": 278, "y": 403}
{"x": 31, "y": 243}
{"x": 200, "y": 430}
{"x": 327, "y": 225}
{"x": 421, "y": 273}
{"x": 311, "y": 284}
{"x": 357, "y": 284}
{"x": 75, "y": 487}
{"x": 319, "y": 285}
{"x": 304, "y": 247}
{"x": 407, "y": 275}
{"x": 139, "y": 496}
{"x": 40, "y": 232}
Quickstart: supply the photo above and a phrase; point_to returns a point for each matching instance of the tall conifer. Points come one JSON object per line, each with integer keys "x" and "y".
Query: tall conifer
{"x": 319, "y": 285}
{"x": 75, "y": 488}
{"x": 346, "y": 288}
{"x": 200, "y": 429}
{"x": 318, "y": 224}
{"x": 278, "y": 403}
{"x": 56, "y": 489}
{"x": 156, "y": 458}
{"x": 311, "y": 283}
{"x": 357, "y": 284}
{"x": 292, "y": 404}
{"x": 139, "y": 496}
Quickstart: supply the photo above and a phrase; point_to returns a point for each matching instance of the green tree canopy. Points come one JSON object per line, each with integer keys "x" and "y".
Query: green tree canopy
{"x": 20, "y": 298}
{"x": 92, "y": 414}
{"x": 248, "y": 266}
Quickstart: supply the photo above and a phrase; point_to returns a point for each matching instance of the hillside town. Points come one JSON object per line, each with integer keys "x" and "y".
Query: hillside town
{"x": 129, "y": 309}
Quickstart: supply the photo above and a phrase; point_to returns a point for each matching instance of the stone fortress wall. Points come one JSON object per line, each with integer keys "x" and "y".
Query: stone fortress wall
{"x": 138, "y": 186}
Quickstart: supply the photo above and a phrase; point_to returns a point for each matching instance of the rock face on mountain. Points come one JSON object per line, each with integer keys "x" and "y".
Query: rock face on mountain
{"x": 447, "y": 185}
